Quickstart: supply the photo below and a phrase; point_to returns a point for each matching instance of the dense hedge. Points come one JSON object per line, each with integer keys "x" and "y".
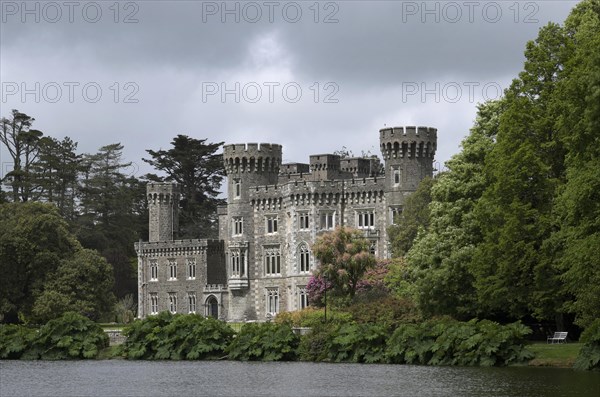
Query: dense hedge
{"x": 349, "y": 342}
{"x": 435, "y": 342}
{"x": 176, "y": 337}
{"x": 589, "y": 355}
{"x": 264, "y": 342}
{"x": 192, "y": 337}
{"x": 450, "y": 342}
{"x": 70, "y": 336}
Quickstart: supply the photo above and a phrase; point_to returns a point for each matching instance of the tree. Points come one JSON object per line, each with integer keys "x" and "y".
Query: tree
{"x": 22, "y": 144}
{"x": 344, "y": 258}
{"x": 440, "y": 260}
{"x": 576, "y": 243}
{"x": 82, "y": 283}
{"x": 414, "y": 216}
{"x": 39, "y": 257}
{"x": 193, "y": 164}
{"x": 112, "y": 214}
{"x": 523, "y": 171}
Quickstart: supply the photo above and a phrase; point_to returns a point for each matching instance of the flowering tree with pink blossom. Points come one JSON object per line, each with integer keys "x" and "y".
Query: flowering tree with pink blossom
{"x": 344, "y": 258}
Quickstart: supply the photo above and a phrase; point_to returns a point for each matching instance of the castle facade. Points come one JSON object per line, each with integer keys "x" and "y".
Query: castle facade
{"x": 262, "y": 261}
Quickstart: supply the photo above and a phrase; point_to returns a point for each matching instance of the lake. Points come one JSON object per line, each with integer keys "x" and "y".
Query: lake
{"x": 229, "y": 378}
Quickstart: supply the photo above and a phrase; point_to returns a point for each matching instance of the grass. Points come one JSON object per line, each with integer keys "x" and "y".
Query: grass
{"x": 554, "y": 355}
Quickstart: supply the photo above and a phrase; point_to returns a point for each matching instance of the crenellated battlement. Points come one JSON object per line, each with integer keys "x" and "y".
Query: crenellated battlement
{"x": 252, "y": 157}
{"x": 162, "y": 192}
{"x": 411, "y": 141}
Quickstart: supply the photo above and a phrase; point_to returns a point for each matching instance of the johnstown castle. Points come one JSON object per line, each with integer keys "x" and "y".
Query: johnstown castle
{"x": 262, "y": 261}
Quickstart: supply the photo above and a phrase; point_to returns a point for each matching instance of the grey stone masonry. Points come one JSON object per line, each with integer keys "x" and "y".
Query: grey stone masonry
{"x": 263, "y": 261}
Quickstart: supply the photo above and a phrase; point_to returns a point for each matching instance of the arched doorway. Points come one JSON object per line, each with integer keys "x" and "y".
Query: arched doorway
{"x": 212, "y": 307}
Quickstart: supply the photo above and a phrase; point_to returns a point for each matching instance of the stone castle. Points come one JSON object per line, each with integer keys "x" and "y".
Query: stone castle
{"x": 262, "y": 262}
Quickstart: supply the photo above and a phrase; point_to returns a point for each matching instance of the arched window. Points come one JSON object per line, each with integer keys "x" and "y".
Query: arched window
{"x": 212, "y": 307}
{"x": 303, "y": 258}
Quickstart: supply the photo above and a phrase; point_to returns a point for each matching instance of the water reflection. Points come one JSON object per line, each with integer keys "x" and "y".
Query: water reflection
{"x": 224, "y": 378}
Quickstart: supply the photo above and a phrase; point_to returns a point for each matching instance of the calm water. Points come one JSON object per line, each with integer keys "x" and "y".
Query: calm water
{"x": 224, "y": 378}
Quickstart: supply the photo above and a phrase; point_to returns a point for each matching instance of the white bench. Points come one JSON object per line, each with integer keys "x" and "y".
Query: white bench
{"x": 559, "y": 337}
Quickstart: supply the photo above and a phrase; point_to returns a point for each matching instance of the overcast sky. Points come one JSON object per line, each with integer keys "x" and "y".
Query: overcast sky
{"x": 311, "y": 76}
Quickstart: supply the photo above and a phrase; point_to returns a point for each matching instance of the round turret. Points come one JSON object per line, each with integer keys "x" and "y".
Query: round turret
{"x": 252, "y": 157}
{"x": 399, "y": 142}
{"x": 408, "y": 153}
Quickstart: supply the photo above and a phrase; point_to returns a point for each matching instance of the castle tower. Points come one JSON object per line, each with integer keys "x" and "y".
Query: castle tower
{"x": 247, "y": 166}
{"x": 408, "y": 153}
{"x": 163, "y": 207}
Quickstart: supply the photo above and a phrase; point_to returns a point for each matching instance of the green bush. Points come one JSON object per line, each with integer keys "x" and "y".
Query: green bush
{"x": 264, "y": 341}
{"x": 14, "y": 340}
{"x": 589, "y": 355}
{"x": 176, "y": 337}
{"x": 383, "y": 309}
{"x": 348, "y": 342}
{"x": 70, "y": 336}
{"x": 311, "y": 317}
{"x": 450, "y": 342}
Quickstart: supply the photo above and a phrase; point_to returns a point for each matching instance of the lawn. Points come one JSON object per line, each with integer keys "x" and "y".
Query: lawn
{"x": 554, "y": 355}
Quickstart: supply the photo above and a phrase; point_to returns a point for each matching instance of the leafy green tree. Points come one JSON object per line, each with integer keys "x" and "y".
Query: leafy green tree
{"x": 344, "y": 258}
{"x": 112, "y": 214}
{"x": 56, "y": 173}
{"x": 199, "y": 171}
{"x": 34, "y": 240}
{"x": 414, "y": 216}
{"x": 524, "y": 169}
{"x": 45, "y": 270}
{"x": 82, "y": 284}
{"x": 576, "y": 243}
{"x": 22, "y": 144}
{"x": 439, "y": 260}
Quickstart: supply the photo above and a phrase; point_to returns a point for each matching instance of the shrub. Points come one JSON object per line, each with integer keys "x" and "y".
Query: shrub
{"x": 264, "y": 341}
{"x": 450, "y": 342}
{"x": 589, "y": 355}
{"x": 387, "y": 309}
{"x": 311, "y": 317}
{"x": 14, "y": 340}
{"x": 348, "y": 342}
{"x": 176, "y": 337}
{"x": 70, "y": 336}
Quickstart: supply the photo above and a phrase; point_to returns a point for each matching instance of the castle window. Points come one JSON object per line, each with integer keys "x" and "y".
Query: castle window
{"x": 153, "y": 270}
{"x": 272, "y": 261}
{"x": 191, "y": 302}
{"x": 154, "y": 303}
{"x": 395, "y": 213}
{"x": 327, "y": 220}
{"x": 397, "y": 175}
{"x": 271, "y": 224}
{"x": 238, "y": 262}
{"x": 237, "y": 188}
{"x": 172, "y": 269}
{"x": 272, "y": 295}
{"x": 191, "y": 268}
{"x": 173, "y": 302}
{"x": 238, "y": 226}
{"x": 303, "y": 258}
{"x": 373, "y": 248}
{"x": 302, "y": 298}
{"x": 303, "y": 223}
{"x": 366, "y": 219}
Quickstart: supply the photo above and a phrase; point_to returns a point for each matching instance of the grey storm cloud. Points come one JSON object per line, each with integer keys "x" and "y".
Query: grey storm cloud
{"x": 371, "y": 53}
